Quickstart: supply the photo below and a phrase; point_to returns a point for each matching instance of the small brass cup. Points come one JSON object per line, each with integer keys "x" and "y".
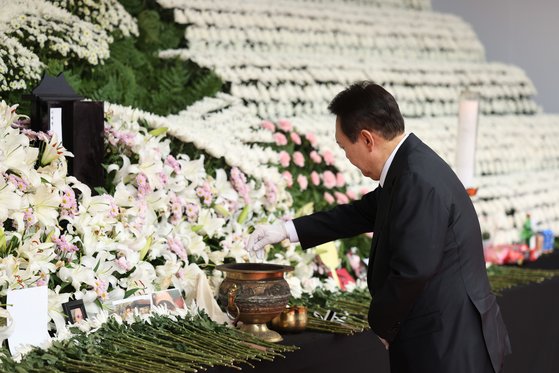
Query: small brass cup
{"x": 293, "y": 319}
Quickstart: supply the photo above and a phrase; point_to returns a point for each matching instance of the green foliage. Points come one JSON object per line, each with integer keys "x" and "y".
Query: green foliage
{"x": 134, "y": 75}
{"x": 157, "y": 28}
{"x": 186, "y": 344}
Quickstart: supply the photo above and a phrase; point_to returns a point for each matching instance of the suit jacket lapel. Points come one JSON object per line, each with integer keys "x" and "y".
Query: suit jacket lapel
{"x": 385, "y": 196}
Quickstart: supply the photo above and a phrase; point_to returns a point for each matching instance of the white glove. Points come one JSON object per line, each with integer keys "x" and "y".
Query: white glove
{"x": 265, "y": 235}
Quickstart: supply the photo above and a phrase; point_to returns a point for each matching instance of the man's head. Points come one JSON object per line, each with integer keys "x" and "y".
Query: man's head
{"x": 368, "y": 125}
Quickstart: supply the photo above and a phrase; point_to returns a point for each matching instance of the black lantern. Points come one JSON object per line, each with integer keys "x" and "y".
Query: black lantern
{"x": 78, "y": 124}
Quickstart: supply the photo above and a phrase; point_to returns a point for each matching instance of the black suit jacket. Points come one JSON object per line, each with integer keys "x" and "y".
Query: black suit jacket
{"x": 431, "y": 297}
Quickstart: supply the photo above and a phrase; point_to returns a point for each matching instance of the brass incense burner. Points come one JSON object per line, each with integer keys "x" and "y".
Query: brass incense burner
{"x": 292, "y": 320}
{"x": 254, "y": 293}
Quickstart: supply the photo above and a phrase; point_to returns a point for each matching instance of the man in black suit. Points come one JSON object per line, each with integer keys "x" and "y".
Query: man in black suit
{"x": 432, "y": 305}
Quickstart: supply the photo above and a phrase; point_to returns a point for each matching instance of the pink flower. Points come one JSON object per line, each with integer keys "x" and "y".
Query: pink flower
{"x": 329, "y": 198}
{"x": 329, "y": 179}
{"x": 295, "y": 138}
{"x": 351, "y": 195}
{"x": 328, "y": 157}
{"x": 28, "y": 217}
{"x": 271, "y": 192}
{"x": 302, "y": 181}
{"x": 143, "y": 185}
{"x": 284, "y": 158}
{"x": 192, "y": 211}
{"x": 363, "y": 191}
{"x": 64, "y": 246}
{"x": 173, "y": 163}
{"x": 315, "y": 179}
{"x": 288, "y": 178}
{"x": 316, "y": 158}
{"x": 299, "y": 159}
{"x": 285, "y": 125}
{"x": 267, "y": 125}
{"x": 122, "y": 263}
{"x": 100, "y": 288}
{"x": 280, "y": 139}
{"x": 239, "y": 182}
{"x": 311, "y": 138}
{"x": 340, "y": 180}
{"x": 176, "y": 246}
{"x": 341, "y": 198}
{"x": 163, "y": 177}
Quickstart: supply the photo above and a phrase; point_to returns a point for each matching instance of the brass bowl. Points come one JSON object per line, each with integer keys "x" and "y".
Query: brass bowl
{"x": 292, "y": 319}
{"x": 254, "y": 293}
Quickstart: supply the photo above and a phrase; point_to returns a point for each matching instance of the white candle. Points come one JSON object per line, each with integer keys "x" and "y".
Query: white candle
{"x": 466, "y": 138}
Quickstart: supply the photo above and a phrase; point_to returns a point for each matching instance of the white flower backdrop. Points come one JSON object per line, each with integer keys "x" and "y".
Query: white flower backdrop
{"x": 287, "y": 59}
{"x": 167, "y": 218}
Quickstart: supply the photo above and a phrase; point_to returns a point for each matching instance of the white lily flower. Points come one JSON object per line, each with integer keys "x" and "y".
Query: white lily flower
{"x": 9, "y": 200}
{"x": 55, "y": 300}
{"x": 45, "y": 202}
{"x": 209, "y": 223}
{"x": 78, "y": 276}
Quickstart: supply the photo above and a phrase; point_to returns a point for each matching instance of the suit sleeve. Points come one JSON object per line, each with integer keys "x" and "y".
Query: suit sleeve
{"x": 342, "y": 221}
{"x": 416, "y": 229}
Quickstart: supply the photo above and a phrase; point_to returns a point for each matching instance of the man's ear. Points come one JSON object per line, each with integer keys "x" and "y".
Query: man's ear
{"x": 368, "y": 138}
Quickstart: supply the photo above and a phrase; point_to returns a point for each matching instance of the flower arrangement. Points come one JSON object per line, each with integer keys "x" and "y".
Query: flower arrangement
{"x": 109, "y": 14}
{"x": 52, "y": 32}
{"x": 163, "y": 220}
{"x": 283, "y": 62}
{"x": 309, "y": 172}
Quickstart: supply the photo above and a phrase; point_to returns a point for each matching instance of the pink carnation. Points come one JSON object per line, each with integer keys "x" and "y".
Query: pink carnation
{"x": 340, "y": 180}
{"x": 328, "y": 157}
{"x": 351, "y": 195}
{"x": 288, "y": 178}
{"x": 295, "y": 138}
{"x": 329, "y": 198}
{"x": 285, "y": 125}
{"x": 329, "y": 179}
{"x": 280, "y": 139}
{"x": 316, "y": 158}
{"x": 311, "y": 138}
{"x": 284, "y": 158}
{"x": 315, "y": 179}
{"x": 267, "y": 125}
{"x": 341, "y": 198}
{"x": 299, "y": 159}
{"x": 303, "y": 182}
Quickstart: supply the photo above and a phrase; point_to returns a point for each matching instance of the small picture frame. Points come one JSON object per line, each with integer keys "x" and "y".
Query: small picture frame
{"x": 171, "y": 299}
{"x": 139, "y": 305}
{"x": 75, "y": 311}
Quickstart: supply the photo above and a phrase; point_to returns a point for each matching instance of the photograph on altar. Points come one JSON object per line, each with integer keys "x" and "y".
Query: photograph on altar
{"x": 75, "y": 311}
{"x": 138, "y": 305}
{"x": 170, "y": 299}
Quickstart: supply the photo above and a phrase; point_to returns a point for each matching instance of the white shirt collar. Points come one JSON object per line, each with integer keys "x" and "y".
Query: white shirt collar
{"x": 388, "y": 162}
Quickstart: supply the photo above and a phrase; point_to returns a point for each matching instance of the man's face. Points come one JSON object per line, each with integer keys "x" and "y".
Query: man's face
{"x": 358, "y": 153}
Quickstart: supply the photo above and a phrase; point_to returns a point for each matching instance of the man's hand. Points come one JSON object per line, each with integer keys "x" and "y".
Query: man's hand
{"x": 265, "y": 235}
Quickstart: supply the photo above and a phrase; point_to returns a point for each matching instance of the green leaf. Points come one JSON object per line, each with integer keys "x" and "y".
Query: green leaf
{"x": 2, "y": 241}
{"x": 146, "y": 247}
{"x": 306, "y": 209}
{"x": 131, "y": 292}
{"x": 100, "y": 190}
{"x": 158, "y": 131}
{"x": 243, "y": 215}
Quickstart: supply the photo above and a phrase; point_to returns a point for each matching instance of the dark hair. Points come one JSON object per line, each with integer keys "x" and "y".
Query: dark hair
{"x": 366, "y": 105}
